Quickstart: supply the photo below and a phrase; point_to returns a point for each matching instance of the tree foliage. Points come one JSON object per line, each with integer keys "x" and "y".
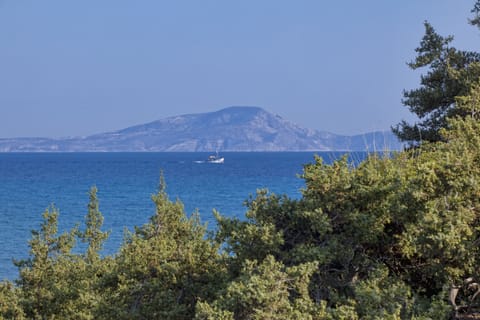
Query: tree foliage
{"x": 384, "y": 239}
{"x": 450, "y": 74}
{"x": 164, "y": 267}
{"x": 265, "y": 290}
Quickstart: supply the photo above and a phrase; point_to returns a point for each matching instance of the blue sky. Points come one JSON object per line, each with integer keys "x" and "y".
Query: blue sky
{"x": 71, "y": 68}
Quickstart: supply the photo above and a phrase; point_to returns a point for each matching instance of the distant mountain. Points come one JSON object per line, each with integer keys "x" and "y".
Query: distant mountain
{"x": 229, "y": 129}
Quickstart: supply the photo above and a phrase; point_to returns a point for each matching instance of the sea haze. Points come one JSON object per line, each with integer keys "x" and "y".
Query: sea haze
{"x": 230, "y": 129}
{"x": 30, "y": 182}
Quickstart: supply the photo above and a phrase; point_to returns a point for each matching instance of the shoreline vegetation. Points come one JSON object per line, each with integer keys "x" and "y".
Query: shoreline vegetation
{"x": 390, "y": 238}
{"x": 382, "y": 239}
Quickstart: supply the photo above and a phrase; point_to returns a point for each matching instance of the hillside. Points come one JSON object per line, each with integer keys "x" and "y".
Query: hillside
{"x": 229, "y": 129}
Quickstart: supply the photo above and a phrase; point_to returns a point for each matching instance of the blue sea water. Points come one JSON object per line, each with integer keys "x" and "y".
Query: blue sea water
{"x": 31, "y": 182}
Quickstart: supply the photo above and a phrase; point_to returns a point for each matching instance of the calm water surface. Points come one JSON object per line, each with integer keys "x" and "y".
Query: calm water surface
{"x": 30, "y": 182}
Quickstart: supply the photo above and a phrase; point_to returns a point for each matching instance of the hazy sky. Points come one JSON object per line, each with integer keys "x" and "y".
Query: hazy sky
{"x": 72, "y": 68}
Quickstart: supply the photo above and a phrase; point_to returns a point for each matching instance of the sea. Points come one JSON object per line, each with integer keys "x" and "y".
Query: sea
{"x": 32, "y": 182}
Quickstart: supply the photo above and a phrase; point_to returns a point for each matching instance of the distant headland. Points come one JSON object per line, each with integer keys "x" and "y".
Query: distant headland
{"x": 230, "y": 129}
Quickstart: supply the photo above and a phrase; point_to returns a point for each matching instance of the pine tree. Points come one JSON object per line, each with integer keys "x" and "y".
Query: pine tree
{"x": 45, "y": 277}
{"x": 450, "y": 74}
{"x": 93, "y": 235}
{"x": 165, "y": 267}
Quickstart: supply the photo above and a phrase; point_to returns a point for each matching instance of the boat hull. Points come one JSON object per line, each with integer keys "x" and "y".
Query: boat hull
{"x": 217, "y": 160}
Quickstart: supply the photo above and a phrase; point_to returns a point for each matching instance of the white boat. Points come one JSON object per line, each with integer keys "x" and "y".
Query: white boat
{"x": 215, "y": 159}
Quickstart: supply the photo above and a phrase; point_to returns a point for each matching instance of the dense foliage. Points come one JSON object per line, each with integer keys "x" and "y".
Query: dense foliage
{"x": 382, "y": 240}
